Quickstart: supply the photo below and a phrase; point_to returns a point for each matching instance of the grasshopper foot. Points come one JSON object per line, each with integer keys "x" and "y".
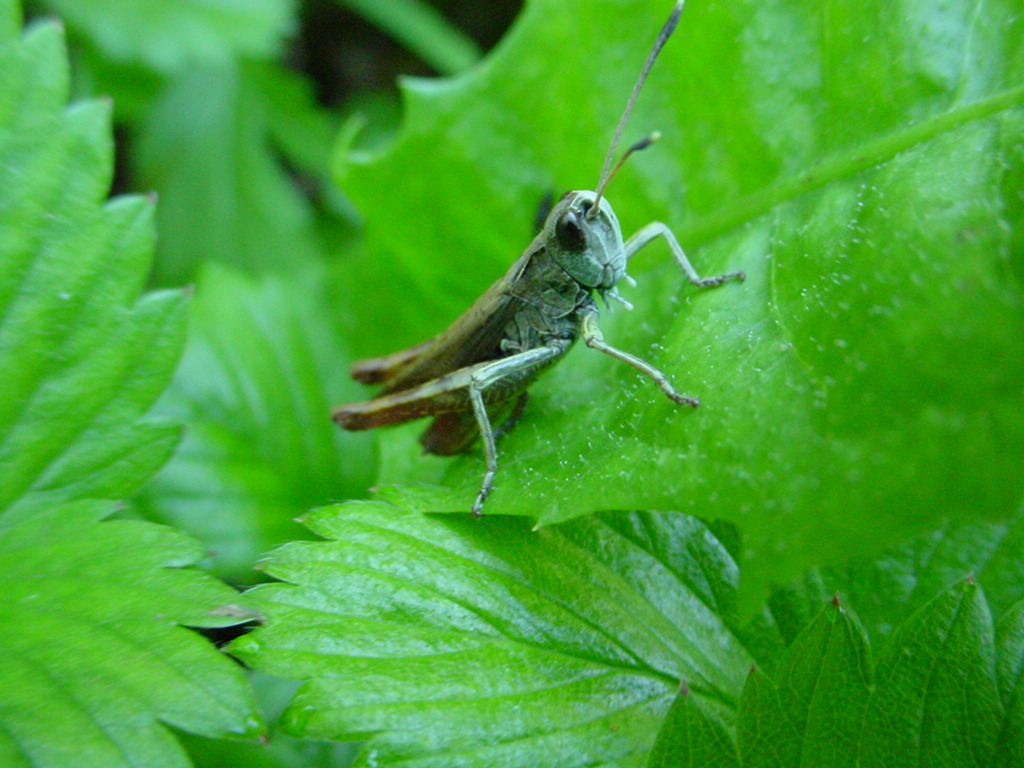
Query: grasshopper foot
{"x": 711, "y": 282}
{"x": 478, "y": 505}
{"x": 679, "y": 399}
{"x": 485, "y": 491}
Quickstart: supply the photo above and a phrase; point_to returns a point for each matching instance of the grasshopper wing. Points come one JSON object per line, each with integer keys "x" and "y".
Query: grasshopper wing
{"x": 432, "y": 378}
{"x": 450, "y": 433}
{"x": 378, "y": 370}
{"x": 474, "y": 337}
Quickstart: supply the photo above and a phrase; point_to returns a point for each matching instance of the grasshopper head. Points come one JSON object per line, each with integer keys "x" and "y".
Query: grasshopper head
{"x": 587, "y": 244}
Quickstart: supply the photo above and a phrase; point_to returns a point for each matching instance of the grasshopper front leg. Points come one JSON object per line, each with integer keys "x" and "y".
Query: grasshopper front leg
{"x": 512, "y": 372}
{"x": 594, "y": 339}
{"x": 657, "y": 229}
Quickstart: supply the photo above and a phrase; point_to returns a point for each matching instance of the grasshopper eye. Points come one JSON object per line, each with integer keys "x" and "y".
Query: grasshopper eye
{"x": 570, "y": 232}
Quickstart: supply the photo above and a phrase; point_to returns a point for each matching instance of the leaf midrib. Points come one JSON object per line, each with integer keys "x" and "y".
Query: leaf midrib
{"x": 844, "y": 165}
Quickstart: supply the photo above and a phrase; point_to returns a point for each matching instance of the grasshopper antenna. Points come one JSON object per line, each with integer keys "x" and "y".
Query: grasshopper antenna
{"x": 607, "y": 172}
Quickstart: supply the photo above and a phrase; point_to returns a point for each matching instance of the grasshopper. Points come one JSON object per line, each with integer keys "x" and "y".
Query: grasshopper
{"x": 475, "y": 373}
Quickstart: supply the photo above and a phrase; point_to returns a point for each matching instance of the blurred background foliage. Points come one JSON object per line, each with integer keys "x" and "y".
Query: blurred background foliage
{"x": 228, "y": 113}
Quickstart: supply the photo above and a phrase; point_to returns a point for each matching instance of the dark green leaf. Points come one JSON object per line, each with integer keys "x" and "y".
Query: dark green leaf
{"x": 491, "y": 644}
{"x": 861, "y": 164}
{"x": 904, "y": 578}
{"x": 1009, "y": 749}
{"x": 936, "y": 701}
{"x": 280, "y": 750}
{"x": 423, "y": 30}
{"x": 768, "y": 736}
{"x": 810, "y": 712}
{"x": 691, "y": 738}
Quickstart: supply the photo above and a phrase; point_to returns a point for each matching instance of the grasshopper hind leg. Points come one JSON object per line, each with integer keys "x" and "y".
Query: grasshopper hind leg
{"x": 450, "y": 434}
{"x": 515, "y": 371}
{"x": 490, "y": 451}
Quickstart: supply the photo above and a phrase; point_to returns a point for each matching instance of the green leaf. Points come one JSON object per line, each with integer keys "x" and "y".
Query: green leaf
{"x": 446, "y": 641}
{"x": 450, "y": 640}
{"x": 691, "y": 738}
{"x": 207, "y": 148}
{"x": 1009, "y": 749}
{"x": 260, "y": 374}
{"x": 80, "y": 359}
{"x": 860, "y": 164}
{"x": 810, "y": 711}
{"x": 279, "y": 750}
{"x": 95, "y": 661}
{"x": 936, "y": 700}
{"x": 904, "y": 578}
{"x": 171, "y": 36}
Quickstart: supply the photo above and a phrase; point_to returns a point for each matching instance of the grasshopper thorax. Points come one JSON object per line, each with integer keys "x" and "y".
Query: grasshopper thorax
{"x": 586, "y": 244}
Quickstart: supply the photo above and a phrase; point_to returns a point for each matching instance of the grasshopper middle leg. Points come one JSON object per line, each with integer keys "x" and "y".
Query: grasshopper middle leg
{"x": 594, "y": 339}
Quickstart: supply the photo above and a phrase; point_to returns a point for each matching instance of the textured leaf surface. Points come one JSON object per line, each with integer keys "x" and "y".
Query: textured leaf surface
{"x": 690, "y": 737}
{"x": 937, "y": 701}
{"x": 1010, "y": 646}
{"x": 860, "y": 164}
{"x": 449, "y": 642}
{"x": 906, "y": 577}
{"x": 811, "y": 711}
{"x": 93, "y": 658}
{"x": 464, "y": 644}
{"x": 94, "y": 661}
{"x": 943, "y": 692}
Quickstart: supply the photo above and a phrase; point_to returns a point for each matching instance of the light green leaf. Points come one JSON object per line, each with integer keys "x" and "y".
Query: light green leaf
{"x": 860, "y": 164}
{"x": 261, "y": 372}
{"x": 95, "y": 661}
{"x": 81, "y": 360}
{"x": 172, "y": 36}
{"x": 461, "y": 643}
